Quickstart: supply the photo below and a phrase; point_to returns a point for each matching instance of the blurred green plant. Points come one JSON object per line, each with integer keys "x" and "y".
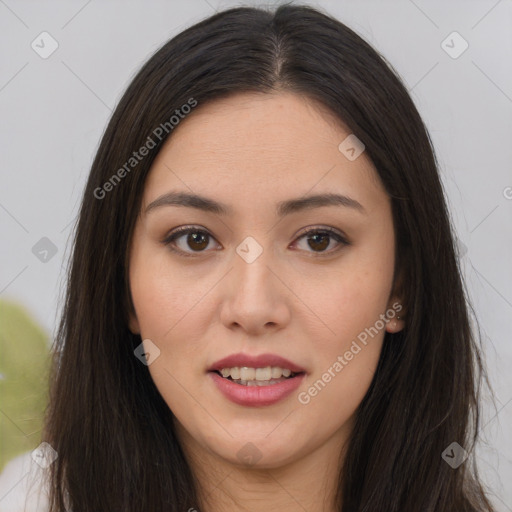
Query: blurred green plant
{"x": 24, "y": 373}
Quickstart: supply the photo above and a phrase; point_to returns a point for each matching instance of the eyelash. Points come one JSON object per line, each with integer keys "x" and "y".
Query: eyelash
{"x": 185, "y": 230}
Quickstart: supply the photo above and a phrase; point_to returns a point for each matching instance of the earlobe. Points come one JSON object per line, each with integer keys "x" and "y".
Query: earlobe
{"x": 396, "y": 310}
{"x": 395, "y": 325}
{"x": 133, "y": 324}
{"x": 396, "y": 315}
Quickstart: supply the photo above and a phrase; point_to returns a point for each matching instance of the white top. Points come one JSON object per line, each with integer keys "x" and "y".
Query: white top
{"x": 22, "y": 486}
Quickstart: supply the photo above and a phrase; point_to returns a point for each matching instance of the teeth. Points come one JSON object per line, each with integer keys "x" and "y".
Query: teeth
{"x": 259, "y": 383}
{"x": 259, "y": 374}
{"x": 263, "y": 373}
{"x": 276, "y": 372}
{"x": 247, "y": 373}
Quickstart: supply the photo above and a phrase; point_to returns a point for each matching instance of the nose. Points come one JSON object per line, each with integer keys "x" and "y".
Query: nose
{"x": 255, "y": 300}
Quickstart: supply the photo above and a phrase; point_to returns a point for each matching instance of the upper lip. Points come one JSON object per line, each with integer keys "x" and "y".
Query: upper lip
{"x": 261, "y": 361}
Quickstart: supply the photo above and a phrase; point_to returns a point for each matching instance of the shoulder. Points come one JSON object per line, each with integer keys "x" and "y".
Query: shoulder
{"x": 23, "y": 486}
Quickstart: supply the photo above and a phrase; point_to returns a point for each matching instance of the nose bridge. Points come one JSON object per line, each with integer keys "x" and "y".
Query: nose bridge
{"x": 251, "y": 262}
{"x": 254, "y": 298}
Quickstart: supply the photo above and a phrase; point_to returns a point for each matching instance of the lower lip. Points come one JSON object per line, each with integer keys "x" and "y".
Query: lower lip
{"x": 256, "y": 395}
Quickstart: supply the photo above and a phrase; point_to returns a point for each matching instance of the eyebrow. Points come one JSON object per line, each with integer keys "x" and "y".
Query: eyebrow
{"x": 283, "y": 208}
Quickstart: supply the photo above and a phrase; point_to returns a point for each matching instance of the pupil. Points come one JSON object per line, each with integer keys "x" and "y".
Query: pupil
{"x": 195, "y": 239}
{"x": 322, "y": 245}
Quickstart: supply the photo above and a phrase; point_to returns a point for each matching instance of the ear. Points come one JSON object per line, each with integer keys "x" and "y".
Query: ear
{"x": 396, "y": 311}
{"x": 133, "y": 324}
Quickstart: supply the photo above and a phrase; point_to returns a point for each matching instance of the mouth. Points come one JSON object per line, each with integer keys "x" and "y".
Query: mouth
{"x": 255, "y": 392}
{"x": 256, "y": 381}
{"x": 267, "y": 376}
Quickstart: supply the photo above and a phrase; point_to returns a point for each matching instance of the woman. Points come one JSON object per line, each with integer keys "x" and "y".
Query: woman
{"x": 264, "y": 308}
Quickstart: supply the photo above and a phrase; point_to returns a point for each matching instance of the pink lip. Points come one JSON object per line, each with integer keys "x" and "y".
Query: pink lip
{"x": 256, "y": 395}
{"x": 261, "y": 361}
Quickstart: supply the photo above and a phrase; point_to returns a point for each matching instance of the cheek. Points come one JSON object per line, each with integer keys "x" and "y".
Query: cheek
{"x": 172, "y": 310}
{"x": 347, "y": 356}
{"x": 164, "y": 303}
{"x": 335, "y": 394}
{"x": 350, "y": 302}
{"x": 349, "y": 298}
{"x": 162, "y": 294}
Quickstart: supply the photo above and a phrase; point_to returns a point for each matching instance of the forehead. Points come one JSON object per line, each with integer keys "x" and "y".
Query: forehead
{"x": 254, "y": 143}
{"x": 259, "y": 125}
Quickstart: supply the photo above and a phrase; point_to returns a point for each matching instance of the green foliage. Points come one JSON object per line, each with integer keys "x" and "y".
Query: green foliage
{"x": 24, "y": 370}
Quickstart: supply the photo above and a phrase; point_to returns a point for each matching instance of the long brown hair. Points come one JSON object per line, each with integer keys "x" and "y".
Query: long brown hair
{"x": 112, "y": 430}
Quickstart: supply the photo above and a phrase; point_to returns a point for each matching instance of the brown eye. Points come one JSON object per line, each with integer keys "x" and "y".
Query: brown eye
{"x": 190, "y": 240}
{"x": 318, "y": 240}
{"x": 197, "y": 241}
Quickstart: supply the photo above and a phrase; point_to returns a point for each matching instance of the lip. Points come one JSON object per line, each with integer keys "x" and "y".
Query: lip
{"x": 256, "y": 396}
{"x": 261, "y": 361}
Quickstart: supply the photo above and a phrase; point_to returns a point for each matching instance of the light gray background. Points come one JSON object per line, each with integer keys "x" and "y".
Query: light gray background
{"x": 53, "y": 112}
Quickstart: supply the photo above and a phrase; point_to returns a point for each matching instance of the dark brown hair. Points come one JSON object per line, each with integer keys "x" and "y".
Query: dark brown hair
{"x": 117, "y": 450}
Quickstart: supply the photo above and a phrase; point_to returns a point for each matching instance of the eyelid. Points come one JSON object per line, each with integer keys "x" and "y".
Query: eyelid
{"x": 323, "y": 229}
{"x": 338, "y": 235}
{"x": 184, "y": 230}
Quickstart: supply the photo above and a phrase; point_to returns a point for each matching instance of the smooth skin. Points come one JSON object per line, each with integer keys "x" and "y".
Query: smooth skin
{"x": 303, "y": 298}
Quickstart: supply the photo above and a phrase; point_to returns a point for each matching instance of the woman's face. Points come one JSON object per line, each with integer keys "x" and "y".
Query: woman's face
{"x": 251, "y": 281}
